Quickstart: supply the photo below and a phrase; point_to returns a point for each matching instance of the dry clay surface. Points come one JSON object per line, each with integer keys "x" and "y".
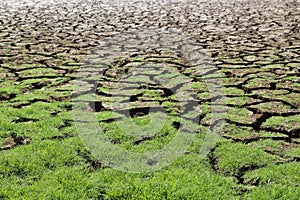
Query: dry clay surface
{"x": 255, "y": 45}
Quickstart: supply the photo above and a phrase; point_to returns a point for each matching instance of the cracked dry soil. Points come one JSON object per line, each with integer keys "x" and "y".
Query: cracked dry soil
{"x": 254, "y": 44}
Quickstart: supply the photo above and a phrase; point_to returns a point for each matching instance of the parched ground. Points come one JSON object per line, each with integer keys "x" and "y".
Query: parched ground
{"x": 46, "y": 46}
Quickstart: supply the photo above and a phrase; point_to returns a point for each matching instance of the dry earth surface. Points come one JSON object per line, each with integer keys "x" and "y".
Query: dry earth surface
{"x": 255, "y": 45}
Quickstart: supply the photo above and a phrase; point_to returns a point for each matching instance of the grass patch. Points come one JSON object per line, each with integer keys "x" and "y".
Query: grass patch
{"x": 233, "y": 156}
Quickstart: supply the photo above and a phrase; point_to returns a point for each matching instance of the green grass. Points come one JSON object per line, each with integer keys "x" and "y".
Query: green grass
{"x": 274, "y": 191}
{"x": 232, "y": 157}
{"x": 291, "y": 122}
{"x": 61, "y": 183}
{"x": 43, "y": 157}
{"x": 273, "y": 174}
{"x": 186, "y": 179}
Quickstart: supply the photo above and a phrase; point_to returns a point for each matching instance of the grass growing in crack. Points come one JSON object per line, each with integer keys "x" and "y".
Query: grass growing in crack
{"x": 283, "y": 174}
{"x": 293, "y": 152}
{"x": 35, "y": 120}
{"x": 233, "y": 156}
{"x": 125, "y": 134}
{"x": 291, "y": 122}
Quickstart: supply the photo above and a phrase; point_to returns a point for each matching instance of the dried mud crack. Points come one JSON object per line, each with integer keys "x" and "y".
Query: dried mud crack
{"x": 254, "y": 45}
